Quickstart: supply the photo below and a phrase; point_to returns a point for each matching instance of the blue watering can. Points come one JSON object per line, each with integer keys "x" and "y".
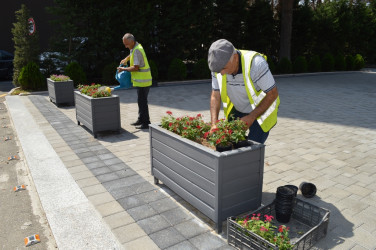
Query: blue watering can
{"x": 124, "y": 78}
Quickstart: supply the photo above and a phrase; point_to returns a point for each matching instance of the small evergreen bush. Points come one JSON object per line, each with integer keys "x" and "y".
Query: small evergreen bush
{"x": 76, "y": 73}
{"x": 284, "y": 66}
{"x": 177, "y": 70}
{"x": 339, "y": 62}
{"x": 201, "y": 69}
{"x": 271, "y": 64}
{"x": 314, "y": 64}
{"x": 349, "y": 62}
{"x": 300, "y": 65}
{"x": 154, "y": 70}
{"x": 327, "y": 62}
{"x": 358, "y": 62}
{"x": 31, "y": 78}
{"x": 108, "y": 73}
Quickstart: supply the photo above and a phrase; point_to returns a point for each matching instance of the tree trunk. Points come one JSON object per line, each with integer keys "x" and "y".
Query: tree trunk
{"x": 286, "y": 26}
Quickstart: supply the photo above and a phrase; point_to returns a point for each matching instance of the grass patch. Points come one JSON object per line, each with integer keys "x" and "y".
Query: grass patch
{"x": 19, "y": 91}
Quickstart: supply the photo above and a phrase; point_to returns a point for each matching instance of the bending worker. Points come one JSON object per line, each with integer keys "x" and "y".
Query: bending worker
{"x": 140, "y": 76}
{"x": 244, "y": 83}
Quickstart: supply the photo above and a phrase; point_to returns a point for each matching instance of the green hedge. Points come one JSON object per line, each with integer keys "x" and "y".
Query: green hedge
{"x": 314, "y": 64}
{"x": 76, "y": 73}
{"x": 327, "y": 62}
{"x": 31, "y": 78}
{"x": 284, "y": 66}
{"x": 108, "y": 74}
{"x": 154, "y": 70}
{"x": 339, "y": 62}
{"x": 177, "y": 70}
{"x": 201, "y": 69}
{"x": 349, "y": 62}
{"x": 358, "y": 62}
{"x": 300, "y": 65}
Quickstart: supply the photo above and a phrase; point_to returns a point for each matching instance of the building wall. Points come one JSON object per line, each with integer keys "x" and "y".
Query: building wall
{"x": 38, "y": 12}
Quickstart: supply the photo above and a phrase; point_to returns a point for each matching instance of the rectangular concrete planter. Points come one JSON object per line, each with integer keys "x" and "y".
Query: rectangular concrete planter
{"x": 218, "y": 184}
{"x": 98, "y": 114}
{"x": 60, "y": 92}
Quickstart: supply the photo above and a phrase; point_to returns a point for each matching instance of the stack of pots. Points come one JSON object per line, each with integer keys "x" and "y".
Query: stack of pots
{"x": 284, "y": 203}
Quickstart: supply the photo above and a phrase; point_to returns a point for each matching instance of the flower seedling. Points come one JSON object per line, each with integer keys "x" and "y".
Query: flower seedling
{"x": 59, "y": 78}
{"x": 94, "y": 90}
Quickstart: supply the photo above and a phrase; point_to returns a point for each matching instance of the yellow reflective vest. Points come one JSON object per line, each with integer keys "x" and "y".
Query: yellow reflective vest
{"x": 142, "y": 77}
{"x": 269, "y": 118}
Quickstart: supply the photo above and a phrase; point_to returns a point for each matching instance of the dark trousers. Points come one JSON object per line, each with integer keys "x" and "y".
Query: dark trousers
{"x": 255, "y": 131}
{"x": 143, "y": 109}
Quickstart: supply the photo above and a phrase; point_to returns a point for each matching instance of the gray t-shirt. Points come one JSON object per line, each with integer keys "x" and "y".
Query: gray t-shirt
{"x": 261, "y": 77}
{"x": 138, "y": 59}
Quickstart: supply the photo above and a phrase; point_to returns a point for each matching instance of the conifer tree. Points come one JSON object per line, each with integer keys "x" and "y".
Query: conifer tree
{"x": 26, "y": 46}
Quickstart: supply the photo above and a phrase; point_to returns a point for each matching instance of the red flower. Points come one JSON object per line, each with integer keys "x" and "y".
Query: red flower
{"x": 198, "y": 126}
{"x": 263, "y": 229}
{"x": 169, "y": 112}
{"x": 206, "y": 135}
{"x": 185, "y": 128}
{"x": 199, "y": 115}
{"x": 191, "y": 118}
{"x": 218, "y": 141}
{"x": 280, "y": 229}
{"x": 170, "y": 124}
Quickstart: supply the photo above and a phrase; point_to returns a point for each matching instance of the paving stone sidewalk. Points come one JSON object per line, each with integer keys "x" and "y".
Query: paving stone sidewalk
{"x": 326, "y": 134}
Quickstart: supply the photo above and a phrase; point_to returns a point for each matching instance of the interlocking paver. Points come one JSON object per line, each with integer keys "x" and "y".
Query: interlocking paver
{"x": 315, "y": 140}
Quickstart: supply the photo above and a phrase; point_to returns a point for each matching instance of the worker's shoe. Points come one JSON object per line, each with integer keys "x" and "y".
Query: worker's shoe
{"x": 143, "y": 126}
{"x": 136, "y": 123}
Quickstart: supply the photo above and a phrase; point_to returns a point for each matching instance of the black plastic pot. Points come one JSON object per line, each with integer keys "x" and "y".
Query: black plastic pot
{"x": 294, "y": 188}
{"x": 241, "y": 144}
{"x": 221, "y": 148}
{"x": 308, "y": 189}
{"x": 283, "y": 203}
{"x": 283, "y": 218}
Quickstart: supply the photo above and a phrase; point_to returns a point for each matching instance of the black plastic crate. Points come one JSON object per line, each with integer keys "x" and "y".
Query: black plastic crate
{"x": 308, "y": 224}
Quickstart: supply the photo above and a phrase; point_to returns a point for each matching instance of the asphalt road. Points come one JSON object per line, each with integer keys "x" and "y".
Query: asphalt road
{"x": 21, "y": 214}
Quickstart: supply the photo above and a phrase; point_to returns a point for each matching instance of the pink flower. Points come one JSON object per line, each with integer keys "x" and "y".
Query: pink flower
{"x": 263, "y": 229}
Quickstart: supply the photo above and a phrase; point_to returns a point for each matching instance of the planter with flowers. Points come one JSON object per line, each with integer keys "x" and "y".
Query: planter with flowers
{"x": 60, "y": 89}
{"x": 219, "y": 184}
{"x": 97, "y": 109}
{"x": 258, "y": 230}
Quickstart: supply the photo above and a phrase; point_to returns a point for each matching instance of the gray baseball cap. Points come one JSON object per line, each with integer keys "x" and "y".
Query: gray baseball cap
{"x": 220, "y": 53}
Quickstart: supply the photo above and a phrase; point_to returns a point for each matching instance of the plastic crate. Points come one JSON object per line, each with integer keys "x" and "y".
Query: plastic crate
{"x": 308, "y": 224}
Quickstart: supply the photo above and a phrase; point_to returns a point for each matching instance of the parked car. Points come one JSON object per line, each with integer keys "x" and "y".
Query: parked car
{"x": 6, "y": 65}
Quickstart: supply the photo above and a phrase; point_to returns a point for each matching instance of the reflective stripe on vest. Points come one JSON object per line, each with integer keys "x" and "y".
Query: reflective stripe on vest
{"x": 142, "y": 77}
{"x": 269, "y": 118}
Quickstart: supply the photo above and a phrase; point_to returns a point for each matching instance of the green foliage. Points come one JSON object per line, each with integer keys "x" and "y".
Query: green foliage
{"x": 108, "y": 73}
{"x": 76, "y": 73}
{"x": 358, "y": 62}
{"x": 349, "y": 62}
{"x": 271, "y": 64}
{"x": 59, "y": 78}
{"x": 30, "y": 78}
{"x": 339, "y": 62}
{"x": 201, "y": 69}
{"x": 154, "y": 70}
{"x": 26, "y": 46}
{"x": 177, "y": 70}
{"x": 327, "y": 62}
{"x": 314, "y": 64}
{"x": 300, "y": 65}
{"x": 284, "y": 66}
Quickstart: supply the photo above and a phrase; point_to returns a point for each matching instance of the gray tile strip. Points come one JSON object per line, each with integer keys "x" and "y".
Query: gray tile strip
{"x": 136, "y": 195}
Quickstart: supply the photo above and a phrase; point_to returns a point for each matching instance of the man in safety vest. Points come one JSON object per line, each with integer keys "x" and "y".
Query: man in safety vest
{"x": 243, "y": 82}
{"x": 140, "y": 76}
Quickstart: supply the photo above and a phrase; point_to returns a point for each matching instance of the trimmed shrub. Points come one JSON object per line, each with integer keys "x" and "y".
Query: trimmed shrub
{"x": 314, "y": 64}
{"x": 31, "y": 78}
{"x": 271, "y": 64}
{"x": 76, "y": 73}
{"x": 349, "y": 62}
{"x": 339, "y": 62}
{"x": 300, "y": 65}
{"x": 327, "y": 62}
{"x": 154, "y": 70}
{"x": 108, "y": 74}
{"x": 177, "y": 70}
{"x": 284, "y": 66}
{"x": 201, "y": 69}
{"x": 358, "y": 62}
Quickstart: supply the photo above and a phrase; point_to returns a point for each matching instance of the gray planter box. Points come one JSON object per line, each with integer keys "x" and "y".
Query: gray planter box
{"x": 218, "y": 184}
{"x": 98, "y": 114}
{"x": 60, "y": 92}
